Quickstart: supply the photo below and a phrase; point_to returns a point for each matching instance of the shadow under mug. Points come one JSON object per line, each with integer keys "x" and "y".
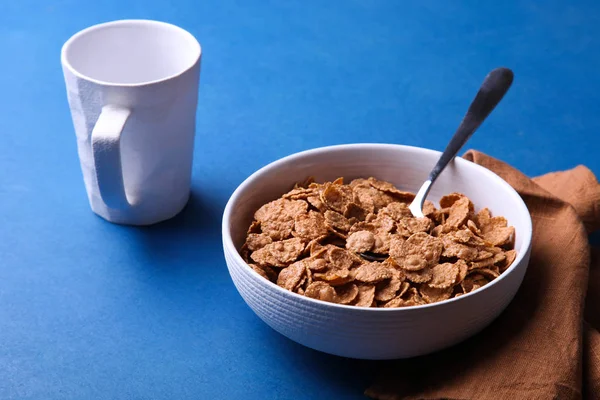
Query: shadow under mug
{"x": 132, "y": 87}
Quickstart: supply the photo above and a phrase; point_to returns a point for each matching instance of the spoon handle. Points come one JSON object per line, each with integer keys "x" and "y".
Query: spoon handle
{"x": 493, "y": 88}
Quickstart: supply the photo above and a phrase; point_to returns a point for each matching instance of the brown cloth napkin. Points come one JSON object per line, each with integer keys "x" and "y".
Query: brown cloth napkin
{"x": 546, "y": 345}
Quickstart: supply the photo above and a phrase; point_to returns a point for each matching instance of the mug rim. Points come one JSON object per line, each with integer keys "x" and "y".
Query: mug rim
{"x": 65, "y": 62}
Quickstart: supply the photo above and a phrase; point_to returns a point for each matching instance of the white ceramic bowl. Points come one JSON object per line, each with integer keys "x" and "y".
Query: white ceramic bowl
{"x": 374, "y": 333}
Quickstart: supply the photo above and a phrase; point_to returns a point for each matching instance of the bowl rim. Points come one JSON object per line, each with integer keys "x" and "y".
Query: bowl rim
{"x": 233, "y": 251}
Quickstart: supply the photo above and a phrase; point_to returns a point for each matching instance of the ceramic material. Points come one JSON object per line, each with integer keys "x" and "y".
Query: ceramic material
{"x": 364, "y": 332}
{"x": 132, "y": 87}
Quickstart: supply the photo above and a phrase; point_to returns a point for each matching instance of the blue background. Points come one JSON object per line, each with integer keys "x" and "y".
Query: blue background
{"x": 91, "y": 310}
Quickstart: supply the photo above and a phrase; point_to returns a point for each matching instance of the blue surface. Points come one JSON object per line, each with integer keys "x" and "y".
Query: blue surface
{"x": 90, "y": 310}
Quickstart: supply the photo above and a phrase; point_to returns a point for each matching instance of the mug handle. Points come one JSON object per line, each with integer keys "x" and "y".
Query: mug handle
{"x": 106, "y": 148}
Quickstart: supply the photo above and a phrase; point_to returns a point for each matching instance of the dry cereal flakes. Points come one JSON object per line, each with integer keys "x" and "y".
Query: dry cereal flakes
{"x": 318, "y": 240}
{"x": 321, "y": 291}
{"x": 347, "y": 293}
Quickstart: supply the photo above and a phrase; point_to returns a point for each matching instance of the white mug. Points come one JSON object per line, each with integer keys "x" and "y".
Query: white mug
{"x": 132, "y": 87}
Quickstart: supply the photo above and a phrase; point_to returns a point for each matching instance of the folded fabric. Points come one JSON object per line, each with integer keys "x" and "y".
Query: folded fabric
{"x": 546, "y": 344}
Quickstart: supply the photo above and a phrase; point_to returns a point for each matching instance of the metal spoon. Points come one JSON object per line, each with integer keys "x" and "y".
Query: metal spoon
{"x": 492, "y": 90}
